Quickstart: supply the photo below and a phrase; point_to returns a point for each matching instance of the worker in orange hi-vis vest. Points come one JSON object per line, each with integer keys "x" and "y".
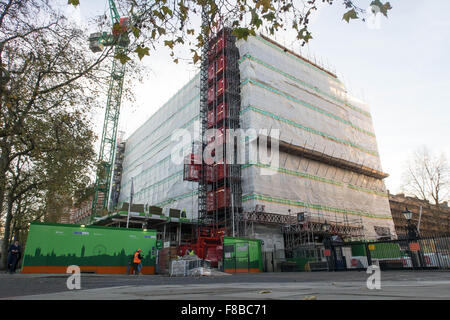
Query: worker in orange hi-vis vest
{"x": 137, "y": 261}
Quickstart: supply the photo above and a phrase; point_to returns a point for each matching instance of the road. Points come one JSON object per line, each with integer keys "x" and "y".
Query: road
{"x": 298, "y": 286}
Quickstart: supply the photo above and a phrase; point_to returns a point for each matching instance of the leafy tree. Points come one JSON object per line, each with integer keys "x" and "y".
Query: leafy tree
{"x": 51, "y": 173}
{"x": 50, "y": 83}
{"x": 176, "y": 22}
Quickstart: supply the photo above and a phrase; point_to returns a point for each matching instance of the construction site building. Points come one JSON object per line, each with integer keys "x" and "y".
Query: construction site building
{"x": 328, "y": 171}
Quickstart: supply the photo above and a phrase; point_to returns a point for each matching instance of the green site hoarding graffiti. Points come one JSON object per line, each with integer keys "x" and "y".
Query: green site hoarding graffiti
{"x": 64, "y": 245}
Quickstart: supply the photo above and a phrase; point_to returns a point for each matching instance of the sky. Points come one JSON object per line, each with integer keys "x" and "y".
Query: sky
{"x": 401, "y": 69}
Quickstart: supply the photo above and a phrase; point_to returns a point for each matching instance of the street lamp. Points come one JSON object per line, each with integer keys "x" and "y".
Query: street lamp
{"x": 412, "y": 233}
{"x": 407, "y": 214}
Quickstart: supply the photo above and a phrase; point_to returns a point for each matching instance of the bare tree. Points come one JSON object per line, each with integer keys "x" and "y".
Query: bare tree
{"x": 427, "y": 176}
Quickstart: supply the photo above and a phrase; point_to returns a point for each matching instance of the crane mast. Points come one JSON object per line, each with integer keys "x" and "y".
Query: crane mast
{"x": 119, "y": 40}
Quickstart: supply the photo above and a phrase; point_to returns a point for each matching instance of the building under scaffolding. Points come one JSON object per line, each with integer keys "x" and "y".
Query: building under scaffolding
{"x": 327, "y": 170}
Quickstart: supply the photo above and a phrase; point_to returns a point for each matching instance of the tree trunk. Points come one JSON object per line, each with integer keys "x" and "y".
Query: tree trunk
{"x": 12, "y": 233}
{"x": 5, "y": 245}
{"x": 3, "y": 170}
{"x": 2, "y": 189}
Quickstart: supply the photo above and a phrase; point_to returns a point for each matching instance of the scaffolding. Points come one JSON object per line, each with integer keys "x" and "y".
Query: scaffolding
{"x": 309, "y": 225}
{"x": 219, "y": 183}
{"x": 304, "y": 228}
{"x": 328, "y": 160}
{"x": 203, "y": 117}
{"x": 117, "y": 173}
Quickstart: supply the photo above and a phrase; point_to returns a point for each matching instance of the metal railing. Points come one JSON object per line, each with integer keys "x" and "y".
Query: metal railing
{"x": 425, "y": 253}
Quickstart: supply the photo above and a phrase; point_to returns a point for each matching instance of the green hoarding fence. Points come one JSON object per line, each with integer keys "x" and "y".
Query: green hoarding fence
{"x": 242, "y": 255}
{"x": 385, "y": 250}
{"x": 300, "y": 263}
{"x": 51, "y": 248}
{"x": 359, "y": 250}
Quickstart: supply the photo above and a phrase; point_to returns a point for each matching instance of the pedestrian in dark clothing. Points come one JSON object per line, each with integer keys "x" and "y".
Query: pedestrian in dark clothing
{"x": 14, "y": 254}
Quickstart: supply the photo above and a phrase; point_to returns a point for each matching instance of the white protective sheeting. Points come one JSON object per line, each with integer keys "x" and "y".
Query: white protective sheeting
{"x": 157, "y": 179}
{"x": 277, "y": 90}
{"x": 309, "y": 106}
{"x": 311, "y": 109}
{"x": 301, "y": 185}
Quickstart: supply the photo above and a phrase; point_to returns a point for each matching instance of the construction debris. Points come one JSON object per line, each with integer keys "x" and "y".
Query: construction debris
{"x": 265, "y": 291}
{"x": 200, "y": 272}
{"x": 192, "y": 265}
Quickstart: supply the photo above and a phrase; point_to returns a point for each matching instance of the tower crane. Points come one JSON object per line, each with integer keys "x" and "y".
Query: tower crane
{"x": 119, "y": 40}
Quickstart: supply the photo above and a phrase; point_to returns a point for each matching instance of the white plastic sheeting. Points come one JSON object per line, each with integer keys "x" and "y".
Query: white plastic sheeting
{"x": 310, "y": 108}
{"x": 301, "y": 185}
{"x": 280, "y": 93}
{"x": 157, "y": 179}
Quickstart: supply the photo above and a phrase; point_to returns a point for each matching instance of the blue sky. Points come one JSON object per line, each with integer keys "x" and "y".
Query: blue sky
{"x": 401, "y": 69}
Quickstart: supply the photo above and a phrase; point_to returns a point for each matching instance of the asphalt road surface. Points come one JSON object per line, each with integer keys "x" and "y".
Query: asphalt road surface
{"x": 305, "y": 285}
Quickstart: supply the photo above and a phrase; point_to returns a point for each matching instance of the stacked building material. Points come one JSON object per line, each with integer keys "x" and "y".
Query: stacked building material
{"x": 179, "y": 268}
{"x": 184, "y": 266}
{"x": 166, "y": 256}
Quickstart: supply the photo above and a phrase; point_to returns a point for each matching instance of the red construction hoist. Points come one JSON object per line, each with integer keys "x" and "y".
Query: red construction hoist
{"x": 207, "y": 246}
{"x": 219, "y": 192}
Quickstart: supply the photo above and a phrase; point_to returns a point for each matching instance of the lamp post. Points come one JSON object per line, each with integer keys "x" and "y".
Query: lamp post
{"x": 411, "y": 235}
{"x": 411, "y": 229}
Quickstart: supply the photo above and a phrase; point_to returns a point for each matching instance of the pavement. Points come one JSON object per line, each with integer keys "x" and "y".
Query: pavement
{"x": 350, "y": 285}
